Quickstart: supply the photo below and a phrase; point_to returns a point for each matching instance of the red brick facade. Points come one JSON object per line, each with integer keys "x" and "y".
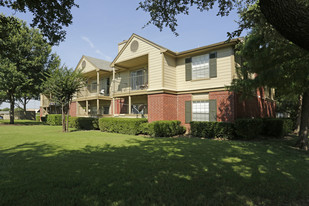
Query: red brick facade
{"x": 72, "y": 109}
{"x": 229, "y": 106}
{"x": 225, "y": 105}
{"x": 255, "y": 107}
{"x": 162, "y": 107}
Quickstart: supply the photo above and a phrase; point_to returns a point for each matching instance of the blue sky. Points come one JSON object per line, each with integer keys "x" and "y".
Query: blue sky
{"x": 99, "y": 25}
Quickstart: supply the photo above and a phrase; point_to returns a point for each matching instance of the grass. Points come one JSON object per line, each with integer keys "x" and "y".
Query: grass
{"x": 39, "y": 165}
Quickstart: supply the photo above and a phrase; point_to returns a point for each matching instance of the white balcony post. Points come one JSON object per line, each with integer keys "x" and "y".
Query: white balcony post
{"x": 98, "y": 106}
{"x": 113, "y": 106}
{"x": 98, "y": 83}
{"x": 87, "y": 108}
{"x": 129, "y": 104}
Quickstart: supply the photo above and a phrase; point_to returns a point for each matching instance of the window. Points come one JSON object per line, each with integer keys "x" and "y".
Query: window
{"x": 200, "y": 67}
{"x": 137, "y": 79}
{"x": 200, "y": 110}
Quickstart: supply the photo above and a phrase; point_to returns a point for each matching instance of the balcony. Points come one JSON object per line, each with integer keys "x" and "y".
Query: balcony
{"x": 133, "y": 83}
{"x": 92, "y": 92}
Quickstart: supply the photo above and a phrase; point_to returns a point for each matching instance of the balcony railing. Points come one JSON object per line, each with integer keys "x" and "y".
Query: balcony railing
{"x": 85, "y": 92}
{"x": 131, "y": 84}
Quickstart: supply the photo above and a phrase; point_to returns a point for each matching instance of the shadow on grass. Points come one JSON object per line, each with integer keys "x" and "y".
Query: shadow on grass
{"x": 21, "y": 122}
{"x": 155, "y": 172}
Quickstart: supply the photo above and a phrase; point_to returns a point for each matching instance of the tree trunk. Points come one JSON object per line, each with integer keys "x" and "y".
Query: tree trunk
{"x": 304, "y": 124}
{"x": 289, "y": 18}
{"x": 12, "y": 104}
{"x": 63, "y": 118}
{"x": 67, "y": 122}
{"x": 298, "y": 120}
{"x": 25, "y": 107}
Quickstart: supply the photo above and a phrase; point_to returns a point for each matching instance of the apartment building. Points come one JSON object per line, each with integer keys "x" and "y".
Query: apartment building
{"x": 150, "y": 81}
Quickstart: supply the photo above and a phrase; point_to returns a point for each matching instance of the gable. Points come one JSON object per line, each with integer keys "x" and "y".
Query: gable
{"x": 136, "y": 46}
{"x": 85, "y": 65}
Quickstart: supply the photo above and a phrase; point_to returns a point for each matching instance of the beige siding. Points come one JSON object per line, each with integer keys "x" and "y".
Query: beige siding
{"x": 224, "y": 73}
{"x": 169, "y": 72}
{"x": 120, "y": 46}
{"x": 89, "y": 67}
{"x": 154, "y": 61}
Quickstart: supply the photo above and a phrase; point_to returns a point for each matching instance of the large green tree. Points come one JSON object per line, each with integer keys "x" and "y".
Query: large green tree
{"x": 50, "y": 16}
{"x": 23, "y": 57}
{"x": 290, "y": 18}
{"x": 61, "y": 84}
{"x": 277, "y": 62}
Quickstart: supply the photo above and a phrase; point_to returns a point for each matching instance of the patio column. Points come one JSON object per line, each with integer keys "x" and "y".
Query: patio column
{"x": 98, "y": 107}
{"x": 87, "y": 108}
{"x": 98, "y": 83}
{"x": 113, "y": 106}
{"x": 129, "y": 104}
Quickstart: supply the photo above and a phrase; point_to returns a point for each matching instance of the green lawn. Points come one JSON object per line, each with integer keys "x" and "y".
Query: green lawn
{"x": 40, "y": 165}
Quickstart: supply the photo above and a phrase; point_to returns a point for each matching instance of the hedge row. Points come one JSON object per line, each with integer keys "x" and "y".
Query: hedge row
{"x": 248, "y": 128}
{"x": 243, "y": 128}
{"x": 54, "y": 119}
{"x": 163, "y": 128}
{"x": 121, "y": 125}
{"x": 213, "y": 129}
{"x": 84, "y": 123}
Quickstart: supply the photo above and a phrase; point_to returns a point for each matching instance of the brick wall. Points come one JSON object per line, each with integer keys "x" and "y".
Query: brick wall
{"x": 181, "y": 99}
{"x": 255, "y": 107}
{"x": 162, "y": 107}
{"x": 73, "y": 109}
{"x": 225, "y": 105}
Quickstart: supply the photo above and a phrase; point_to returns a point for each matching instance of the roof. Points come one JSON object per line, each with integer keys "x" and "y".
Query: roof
{"x": 100, "y": 63}
{"x": 176, "y": 54}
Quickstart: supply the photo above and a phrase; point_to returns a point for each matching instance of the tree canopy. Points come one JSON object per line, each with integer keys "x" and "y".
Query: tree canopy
{"x": 277, "y": 63}
{"x": 23, "y": 57}
{"x": 290, "y": 18}
{"x": 61, "y": 84}
{"x": 50, "y": 16}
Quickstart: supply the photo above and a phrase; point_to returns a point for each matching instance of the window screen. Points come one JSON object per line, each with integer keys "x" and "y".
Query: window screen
{"x": 200, "y": 110}
{"x": 200, "y": 67}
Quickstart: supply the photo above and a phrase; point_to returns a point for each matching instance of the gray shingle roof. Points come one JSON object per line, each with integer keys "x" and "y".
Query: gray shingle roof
{"x": 100, "y": 63}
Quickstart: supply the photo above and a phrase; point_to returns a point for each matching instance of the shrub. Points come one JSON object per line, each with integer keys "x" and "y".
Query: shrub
{"x": 54, "y": 119}
{"x": 121, "y": 125}
{"x": 287, "y": 126}
{"x": 44, "y": 119}
{"x": 277, "y": 127}
{"x": 212, "y": 129}
{"x": 37, "y": 118}
{"x": 248, "y": 128}
{"x": 224, "y": 130}
{"x": 84, "y": 123}
{"x": 164, "y": 128}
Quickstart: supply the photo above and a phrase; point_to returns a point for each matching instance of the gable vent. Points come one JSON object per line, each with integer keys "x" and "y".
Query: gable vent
{"x": 83, "y": 64}
{"x": 134, "y": 46}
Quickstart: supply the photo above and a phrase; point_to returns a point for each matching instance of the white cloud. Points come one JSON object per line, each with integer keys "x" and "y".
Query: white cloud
{"x": 103, "y": 55}
{"x": 86, "y": 39}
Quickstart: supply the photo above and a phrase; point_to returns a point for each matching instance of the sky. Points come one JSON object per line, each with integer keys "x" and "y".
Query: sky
{"x": 99, "y": 25}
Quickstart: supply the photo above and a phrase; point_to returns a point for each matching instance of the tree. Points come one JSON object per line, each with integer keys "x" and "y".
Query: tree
{"x": 62, "y": 83}
{"x": 23, "y": 56}
{"x": 50, "y": 16}
{"x": 278, "y": 64}
{"x": 290, "y": 18}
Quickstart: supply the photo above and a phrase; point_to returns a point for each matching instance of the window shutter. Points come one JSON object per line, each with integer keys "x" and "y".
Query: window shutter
{"x": 212, "y": 110}
{"x": 188, "y": 111}
{"x": 188, "y": 62}
{"x": 213, "y": 65}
